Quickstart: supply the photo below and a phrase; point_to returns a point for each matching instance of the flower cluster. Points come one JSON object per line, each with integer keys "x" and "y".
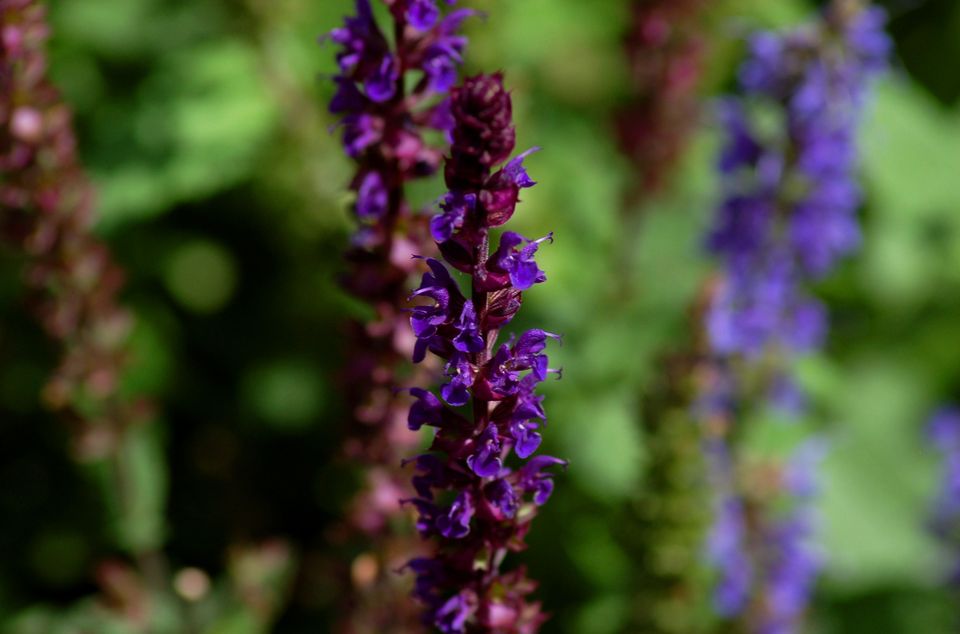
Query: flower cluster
{"x": 47, "y": 213}
{"x": 665, "y": 49}
{"x": 391, "y": 97}
{"x": 788, "y": 215}
{"x": 944, "y": 434}
{"x": 763, "y": 545}
{"x": 791, "y": 198}
{"x": 384, "y": 131}
{"x": 474, "y": 505}
{"x": 727, "y": 542}
{"x": 382, "y": 123}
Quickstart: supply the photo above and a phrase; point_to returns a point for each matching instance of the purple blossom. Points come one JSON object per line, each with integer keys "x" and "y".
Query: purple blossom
{"x": 502, "y": 495}
{"x": 360, "y": 39}
{"x": 455, "y": 523}
{"x": 505, "y": 372}
{"x": 533, "y": 478}
{"x": 422, "y": 14}
{"x": 792, "y": 556}
{"x": 426, "y": 410}
{"x": 519, "y": 263}
{"x": 456, "y": 207}
{"x": 372, "y": 197}
{"x": 943, "y": 430}
{"x": 456, "y": 391}
{"x": 792, "y": 571}
{"x": 445, "y": 53}
{"x": 453, "y": 615}
{"x": 431, "y": 472}
{"x": 468, "y": 338}
{"x": 486, "y": 461}
{"x": 726, "y": 549}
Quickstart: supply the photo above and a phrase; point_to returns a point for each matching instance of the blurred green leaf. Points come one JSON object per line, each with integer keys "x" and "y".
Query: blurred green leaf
{"x": 878, "y": 478}
{"x": 201, "y": 275}
{"x": 134, "y": 483}
{"x": 286, "y": 394}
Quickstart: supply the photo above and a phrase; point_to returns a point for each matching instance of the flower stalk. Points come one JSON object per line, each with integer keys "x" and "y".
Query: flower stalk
{"x": 788, "y": 216}
{"x": 665, "y": 48}
{"x": 391, "y": 93}
{"x": 471, "y": 503}
{"x": 72, "y": 282}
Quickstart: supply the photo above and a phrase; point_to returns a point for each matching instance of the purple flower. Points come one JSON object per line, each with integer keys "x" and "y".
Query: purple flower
{"x": 944, "y": 429}
{"x": 505, "y": 371}
{"x": 431, "y": 474}
{"x": 427, "y": 410}
{"x": 444, "y": 55}
{"x": 519, "y": 263}
{"x": 742, "y": 149}
{"x": 486, "y": 461}
{"x": 429, "y": 573}
{"x": 456, "y": 208}
{"x": 789, "y": 209}
{"x": 372, "y": 196}
{"x": 422, "y": 14}
{"x": 501, "y": 193}
{"x": 792, "y": 572}
{"x": 533, "y": 479}
{"x": 360, "y": 39}
{"x": 727, "y": 552}
{"x": 455, "y": 523}
{"x": 377, "y": 131}
{"x": 527, "y": 439}
{"x": 426, "y": 320}
{"x": 456, "y": 392}
{"x": 347, "y": 99}
{"x": 453, "y": 615}
{"x": 500, "y": 493}
{"x": 468, "y": 338}
{"x": 382, "y": 83}
{"x": 390, "y": 97}
{"x": 868, "y": 40}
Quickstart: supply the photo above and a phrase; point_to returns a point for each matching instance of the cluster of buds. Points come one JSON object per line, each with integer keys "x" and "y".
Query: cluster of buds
{"x": 46, "y": 214}
{"x": 470, "y": 501}
{"x": 665, "y": 50}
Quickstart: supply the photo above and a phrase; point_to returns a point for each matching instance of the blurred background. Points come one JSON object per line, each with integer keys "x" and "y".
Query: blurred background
{"x": 223, "y": 194}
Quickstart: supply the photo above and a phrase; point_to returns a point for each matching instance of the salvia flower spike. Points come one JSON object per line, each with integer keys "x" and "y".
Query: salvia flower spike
{"x": 790, "y": 204}
{"x": 666, "y": 47}
{"x": 482, "y": 481}
{"x": 46, "y": 212}
{"x": 788, "y": 216}
{"x": 392, "y": 91}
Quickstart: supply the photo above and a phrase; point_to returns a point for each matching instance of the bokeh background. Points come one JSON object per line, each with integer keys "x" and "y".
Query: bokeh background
{"x": 222, "y": 192}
